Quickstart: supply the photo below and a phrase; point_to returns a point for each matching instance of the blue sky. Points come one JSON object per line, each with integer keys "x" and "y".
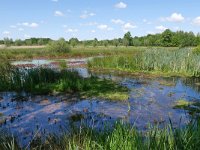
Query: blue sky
{"x": 87, "y": 19}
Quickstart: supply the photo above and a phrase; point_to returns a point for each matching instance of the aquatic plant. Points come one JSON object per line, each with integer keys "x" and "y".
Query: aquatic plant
{"x": 182, "y": 103}
{"x": 31, "y": 53}
{"x": 155, "y": 60}
{"x": 8, "y": 142}
{"x": 122, "y": 136}
{"x": 46, "y": 80}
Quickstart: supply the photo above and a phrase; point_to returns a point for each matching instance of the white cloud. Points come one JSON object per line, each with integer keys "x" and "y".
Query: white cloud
{"x": 117, "y": 21}
{"x": 146, "y": 21}
{"x": 104, "y": 27}
{"x": 87, "y": 14}
{"x": 175, "y": 17}
{"x": 6, "y": 32}
{"x": 93, "y": 31}
{"x": 58, "y": 13}
{"x": 33, "y": 25}
{"x": 128, "y": 26}
{"x": 26, "y": 36}
{"x": 89, "y": 24}
{"x": 26, "y": 24}
{"x": 121, "y": 5}
{"x": 160, "y": 28}
{"x": 71, "y": 30}
{"x": 196, "y": 21}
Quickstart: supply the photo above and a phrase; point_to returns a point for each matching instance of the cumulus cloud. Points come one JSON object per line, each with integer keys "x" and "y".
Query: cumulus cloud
{"x": 196, "y": 21}
{"x": 120, "y": 5}
{"x": 128, "y": 26}
{"x": 160, "y": 28}
{"x": 104, "y": 27}
{"x": 87, "y": 14}
{"x": 175, "y": 17}
{"x": 58, "y": 13}
{"x": 89, "y": 24}
{"x": 27, "y": 24}
{"x": 117, "y": 21}
{"x": 70, "y": 30}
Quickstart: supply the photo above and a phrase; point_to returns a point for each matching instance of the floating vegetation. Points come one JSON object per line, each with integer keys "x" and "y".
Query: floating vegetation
{"x": 182, "y": 103}
{"x": 165, "y": 83}
{"x": 193, "y": 108}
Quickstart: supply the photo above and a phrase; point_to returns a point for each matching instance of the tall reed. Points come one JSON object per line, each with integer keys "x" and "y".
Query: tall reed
{"x": 182, "y": 62}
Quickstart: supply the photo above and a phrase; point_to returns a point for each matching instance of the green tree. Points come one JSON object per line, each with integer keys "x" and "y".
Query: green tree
{"x": 136, "y": 42}
{"x": 167, "y": 38}
{"x": 95, "y": 42}
{"x": 128, "y": 38}
{"x": 40, "y": 42}
{"x": 18, "y": 42}
{"x": 125, "y": 42}
{"x": 59, "y": 46}
{"x": 28, "y": 42}
{"x": 198, "y": 39}
{"x": 8, "y": 42}
{"x": 73, "y": 42}
{"x": 105, "y": 43}
{"x": 116, "y": 42}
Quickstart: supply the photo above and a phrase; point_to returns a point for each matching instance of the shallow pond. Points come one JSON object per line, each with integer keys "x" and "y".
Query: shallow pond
{"x": 150, "y": 101}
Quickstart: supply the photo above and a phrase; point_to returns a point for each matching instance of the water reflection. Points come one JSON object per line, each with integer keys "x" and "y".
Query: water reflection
{"x": 151, "y": 101}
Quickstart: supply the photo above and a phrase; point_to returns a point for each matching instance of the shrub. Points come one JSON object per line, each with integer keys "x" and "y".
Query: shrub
{"x": 197, "y": 50}
{"x": 59, "y": 46}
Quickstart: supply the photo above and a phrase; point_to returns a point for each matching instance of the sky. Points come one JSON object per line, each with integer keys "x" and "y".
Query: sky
{"x": 89, "y": 19}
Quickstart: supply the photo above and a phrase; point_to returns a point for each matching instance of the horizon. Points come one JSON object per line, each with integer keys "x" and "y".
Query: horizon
{"x": 96, "y": 19}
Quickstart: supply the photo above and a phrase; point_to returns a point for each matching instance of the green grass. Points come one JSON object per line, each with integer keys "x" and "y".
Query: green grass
{"x": 121, "y": 137}
{"x": 162, "y": 61}
{"x": 35, "y": 53}
{"x": 45, "y": 81}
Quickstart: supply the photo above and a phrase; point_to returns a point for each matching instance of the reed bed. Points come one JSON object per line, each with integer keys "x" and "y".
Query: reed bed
{"x": 47, "y": 81}
{"x": 155, "y": 60}
{"x": 35, "y": 53}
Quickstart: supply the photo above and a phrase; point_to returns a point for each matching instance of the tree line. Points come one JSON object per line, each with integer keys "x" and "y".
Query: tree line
{"x": 167, "y": 38}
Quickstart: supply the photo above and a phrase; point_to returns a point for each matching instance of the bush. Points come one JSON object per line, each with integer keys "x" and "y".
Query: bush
{"x": 59, "y": 46}
{"x": 197, "y": 50}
